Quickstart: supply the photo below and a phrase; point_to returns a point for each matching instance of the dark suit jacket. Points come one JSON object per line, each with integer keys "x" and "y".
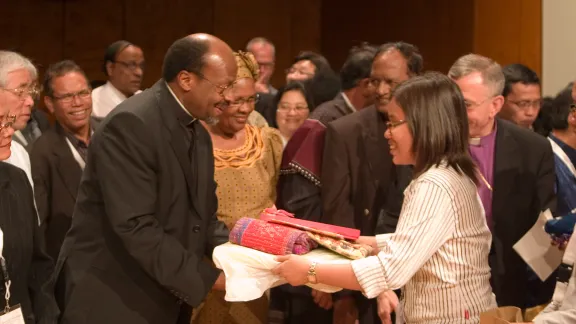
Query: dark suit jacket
{"x": 523, "y": 186}
{"x": 29, "y": 267}
{"x": 331, "y": 110}
{"x": 265, "y": 106}
{"x": 142, "y": 223}
{"x": 56, "y": 177}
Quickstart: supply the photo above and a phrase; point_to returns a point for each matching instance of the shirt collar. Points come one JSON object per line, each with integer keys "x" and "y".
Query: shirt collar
{"x": 113, "y": 91}
{"x": 179, "y": 102}
{"x": 482, "y": 141}
{"x": 348, "y": 103}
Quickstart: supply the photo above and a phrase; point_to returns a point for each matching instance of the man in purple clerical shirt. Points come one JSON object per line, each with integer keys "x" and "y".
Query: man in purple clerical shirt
{"x": 516, "y": 172}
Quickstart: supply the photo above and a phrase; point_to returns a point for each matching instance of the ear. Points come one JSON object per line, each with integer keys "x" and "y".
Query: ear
{"x": 497, "y": 103}
{"x": 186, "y": 80}
{"x": 49, "y": 104}
{"x": 109, "y": 68}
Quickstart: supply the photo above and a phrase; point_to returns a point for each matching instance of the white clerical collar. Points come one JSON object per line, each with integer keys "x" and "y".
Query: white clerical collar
{"x": 348, "y": 103}
{"x": 178, "y": 101}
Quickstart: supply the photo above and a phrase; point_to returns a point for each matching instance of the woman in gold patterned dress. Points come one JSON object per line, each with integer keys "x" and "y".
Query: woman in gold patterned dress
{"x": 247, "y": 165}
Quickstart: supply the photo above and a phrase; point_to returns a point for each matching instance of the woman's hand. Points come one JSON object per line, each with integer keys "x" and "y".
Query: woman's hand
{"x": 293, "y": 268}
{"x": 322, "y": 299}
{"x": 370, "y": 241}
{"x": 387, "y": 303}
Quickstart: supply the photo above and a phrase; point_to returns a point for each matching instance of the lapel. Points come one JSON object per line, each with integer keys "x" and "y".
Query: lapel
{"x": 341, "y": 106}
{"x": 66, "y": 166}
{"x": 177, "y": 138}
{"x": 506, "y": 166}
{"x": 375, "y": 146}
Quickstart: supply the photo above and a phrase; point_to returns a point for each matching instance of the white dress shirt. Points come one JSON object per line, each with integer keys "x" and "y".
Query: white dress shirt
{"x": 20, "y": 158}
{"x": 105, "y": 98}
{"x": 438, "y": 254}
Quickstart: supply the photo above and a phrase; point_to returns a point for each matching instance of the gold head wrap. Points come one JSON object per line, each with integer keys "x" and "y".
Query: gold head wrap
{"x": 247, "y": 65}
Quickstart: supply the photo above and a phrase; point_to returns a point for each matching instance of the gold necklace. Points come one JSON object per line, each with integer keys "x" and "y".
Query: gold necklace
{"x": 485, "y": 181}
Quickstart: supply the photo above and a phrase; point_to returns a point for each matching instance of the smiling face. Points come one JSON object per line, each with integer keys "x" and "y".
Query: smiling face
{"x": 292, "y": 112}
{"x": 243, "y": 94}
{"x": 71, "y": 101}
{"x": 399, "y": 136}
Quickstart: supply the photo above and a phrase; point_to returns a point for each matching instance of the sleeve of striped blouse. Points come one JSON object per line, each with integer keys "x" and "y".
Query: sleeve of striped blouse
{"x": 426, "y": 223}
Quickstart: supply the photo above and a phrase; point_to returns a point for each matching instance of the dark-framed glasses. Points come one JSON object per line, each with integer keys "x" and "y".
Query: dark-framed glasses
{"x": 132, "y": 66}
{"x": 252, "y": 100}
{"x": 69, "y": 97}
{"x": 224, "y": 103}
{"x": 10, "y": 120}
{"x": 22, "y": 92}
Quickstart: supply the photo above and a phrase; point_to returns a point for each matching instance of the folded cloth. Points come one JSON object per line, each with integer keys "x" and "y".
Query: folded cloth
{"x": 271, "y": 238}
{"x": 248, "y": 271}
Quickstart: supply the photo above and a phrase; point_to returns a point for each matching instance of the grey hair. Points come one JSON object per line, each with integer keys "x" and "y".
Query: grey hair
{"x": 260, "y": 40}
{"x": 491, "y": 71}
{"x": 12, "y": 61}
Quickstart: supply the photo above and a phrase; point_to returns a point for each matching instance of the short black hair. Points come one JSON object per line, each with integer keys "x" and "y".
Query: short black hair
{"x": 185, "y": 54}
{"x": 560, "y": 109}
{"x": 319, "y": 61}
{"x": 515, "y": 73}
{"x": 112, "y": 52}
{"x": 60, "y": 69}
{"x": 358, "y": 65}
{"x": 408, "y": 51}
{"x": 323, "y": 86}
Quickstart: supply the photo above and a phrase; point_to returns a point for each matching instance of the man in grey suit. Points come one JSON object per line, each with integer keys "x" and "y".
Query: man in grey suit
{"x": 145, "y": 217}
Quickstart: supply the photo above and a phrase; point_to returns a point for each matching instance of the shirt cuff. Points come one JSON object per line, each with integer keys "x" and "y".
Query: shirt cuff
{"x": 382, "y": 241}
{"x": 370, "y": 274}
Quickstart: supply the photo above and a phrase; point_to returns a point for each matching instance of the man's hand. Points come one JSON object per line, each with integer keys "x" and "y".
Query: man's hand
{"x": 322, "y": 299}
{"x": 220, "y": 283}
{"x": 345, "y": 311}
{"x": 387, "y": 303}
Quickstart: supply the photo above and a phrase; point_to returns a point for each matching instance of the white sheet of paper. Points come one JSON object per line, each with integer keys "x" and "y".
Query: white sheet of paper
{"x": 14, "y": 316}
{"x": 536, "y": 249}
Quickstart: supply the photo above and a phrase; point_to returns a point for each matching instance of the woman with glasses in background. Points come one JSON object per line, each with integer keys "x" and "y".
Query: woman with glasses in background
{"x": 247, "y": 165}
{"x": 293, "y": 105}
{"x": 21, "y": 242}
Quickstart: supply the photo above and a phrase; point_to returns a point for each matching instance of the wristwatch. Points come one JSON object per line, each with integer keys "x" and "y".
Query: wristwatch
{"x": 312, "y": 273}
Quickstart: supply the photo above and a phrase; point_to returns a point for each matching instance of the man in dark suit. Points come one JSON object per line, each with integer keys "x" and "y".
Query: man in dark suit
{"x": 516, "y": 168}
{"x": 59, "y": 158}
{"x": 361, "y": 188}
{"x": 145, "y": 216}
{"x": 357, "y": 92}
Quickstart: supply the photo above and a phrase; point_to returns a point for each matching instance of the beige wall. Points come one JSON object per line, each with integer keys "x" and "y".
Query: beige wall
{"x": 559, "y": 45}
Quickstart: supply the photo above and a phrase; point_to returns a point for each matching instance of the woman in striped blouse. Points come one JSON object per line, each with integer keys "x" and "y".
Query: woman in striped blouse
{"x": 439, "y": 252}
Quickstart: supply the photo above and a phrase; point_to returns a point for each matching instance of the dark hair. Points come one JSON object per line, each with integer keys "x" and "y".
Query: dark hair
{"x": 112, "y": 52}
{"x": 358, "y": 65}
{"x": 408, "y": 51}
{"x": 559, "y": 111}
{"x": 323, "y": 86}
{"x": 185, "y": 54}
{"x": 436, "y": 115}
{"x": 515, "y": 73}
{"x": 319, "y": 61}
{"x": 60, "y": 69}
{"x": 542, "y": 125}
{"x": 295, "y": 86}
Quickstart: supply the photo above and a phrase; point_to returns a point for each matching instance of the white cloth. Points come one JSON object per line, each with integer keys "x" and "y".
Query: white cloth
{"x": 438, "y": 254}
{"x": 105, "y": 98}
{"x": 248, "y": 271}
{"x": 21, "y": 159}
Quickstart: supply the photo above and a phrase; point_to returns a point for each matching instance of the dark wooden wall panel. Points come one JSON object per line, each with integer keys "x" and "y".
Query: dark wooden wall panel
{"x": 509, "y": 31}
{"x": 442, "y": 30}
{"x": 155, "y": 24}
{"x": 89, "y": 27}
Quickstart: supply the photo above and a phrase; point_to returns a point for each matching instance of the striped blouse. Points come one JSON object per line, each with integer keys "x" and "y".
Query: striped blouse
{"x": 438, "y": 254}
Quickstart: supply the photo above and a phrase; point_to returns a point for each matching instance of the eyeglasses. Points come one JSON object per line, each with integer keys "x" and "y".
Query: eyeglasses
{"x": 225, "y": 103}
{"x": 524, "y": 104}
{"x": 69, "y": 97}
{"x": 285, "y": 107}
{"x": 132, "y": 66}
{"x": 392, "y": 125}
{"x": 471, "y": 104}
{"x": 10, "y": 120}
{"x": 294, "y": 70}
{"x": 250, "y": 101}
{"x": 22, "y": 92}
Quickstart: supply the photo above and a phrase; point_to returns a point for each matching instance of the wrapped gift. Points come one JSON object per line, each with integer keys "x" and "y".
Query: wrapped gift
{"x": 271, "y": 238}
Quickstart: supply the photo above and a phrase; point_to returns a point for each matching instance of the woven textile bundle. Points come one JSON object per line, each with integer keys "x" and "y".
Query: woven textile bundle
{"x": 271, "y": 238}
